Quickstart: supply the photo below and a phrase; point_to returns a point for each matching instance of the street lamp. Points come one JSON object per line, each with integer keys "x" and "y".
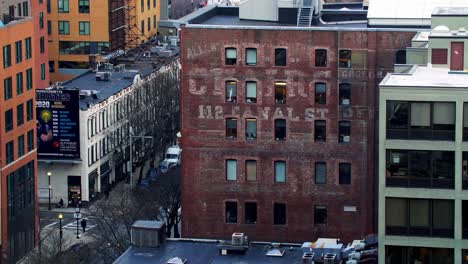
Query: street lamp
{"x": 77, "y": 214}
{"x": 50, "y": 187}
{"x": 60, "y": 216}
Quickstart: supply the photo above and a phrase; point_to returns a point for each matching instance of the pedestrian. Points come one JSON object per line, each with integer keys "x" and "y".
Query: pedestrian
{"x": 83, "y": 224}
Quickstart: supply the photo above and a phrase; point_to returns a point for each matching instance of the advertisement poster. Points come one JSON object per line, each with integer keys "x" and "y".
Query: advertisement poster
{"x": 58, "y": 125}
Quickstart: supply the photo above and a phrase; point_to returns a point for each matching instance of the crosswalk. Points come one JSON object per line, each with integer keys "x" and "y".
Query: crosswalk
{"x": 72, "y": 225}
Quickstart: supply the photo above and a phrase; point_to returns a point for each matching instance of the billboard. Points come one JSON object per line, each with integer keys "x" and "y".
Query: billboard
{"x": 58, "y": 124}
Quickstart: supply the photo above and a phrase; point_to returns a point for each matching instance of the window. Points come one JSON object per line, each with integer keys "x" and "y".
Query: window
{"x": 280, "y": 57}
{"x": 320, "y": 93}
{"x": 231, "y": 128}
{"x": 231, "y": 56}
{"x": 19, "y": 83}
{"x": 320, "y": 133}
{"x": 18, "y": 51}
{"x": 231, "y": 91}
{"x": 9, "y": 120}
{"x": 43, "y": 71}
{"x": 6, "y": 56}
{"x": 83, "y": 6}
{"x": 155, "y": 22}
{"x": 401, "y": 57}
{"x": 279, "y": 214}
{"x": 280, "y": 171}
{"x": 143, "y": 27}
{"x": 27, "y": 48}
{"x": 411, "y": 255}
{"x": 9, "y": 152}
{"x": 320, "y": 58}
{"x": 251, "y": 56}
{"x": 63, "y": 6}
{"x": 142, "y": 4}
{"x": 280, "y": 93}
{"x": 20, "y": 146}
{"x": 344, "y": 94}
{"x": 251, "y": 92}
{"x": 149, "y": 23}
{"x": 280, "y": 129}
{"x": 25, "y": 9}
{"x": 320, "y": 215}
{"x": 419, "y": 217}
{"x": 42, "y": 44}
{"x": 48, "y": 6}
{"x": 154, "y": 3}
{"x": 148, "y": 4}
{"x": 344, "y": 131}
{"x": 29, "y": 110}
{"x": 49, "y": 27}
{"x": 29, "y": 82}
{"x": 251, "y": 170}
{"x": 8, "y": 88}
{"x": 231, "y": 212}
{"x": 439, "y": 56}
{"x": 345, "y": 173}
{"x": 51, "y": 66}
{"x": 30, "y": 138}
{"x": 251, "y": 128}
{"x": 250, "y": 213}
{"x": 84, "y": 27}
{"x": 320, "y": 173}
{"x": 345, "y": 59}
{"x": 41, "y": 20}
{"x": 231, "y": 170}
{"x": 19, "y": 115}
{"x": 421, "y": 120}
{"x": 420, "y": 169}
{"x": 19, "y": 9}
{"x": 64, "y": 27}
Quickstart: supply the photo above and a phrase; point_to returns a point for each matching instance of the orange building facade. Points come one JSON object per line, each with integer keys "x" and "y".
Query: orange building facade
{"x": 17, "y": 140}
{"x": 79, "y": 28}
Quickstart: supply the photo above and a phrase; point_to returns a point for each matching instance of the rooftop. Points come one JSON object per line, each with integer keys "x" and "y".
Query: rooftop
{"x": 139, "y": 62}
{"x": 450, "y": 11}
{"x": 208, "y": 252}
{"x": 426, "y": 76}
{"x": 405, "y": 13}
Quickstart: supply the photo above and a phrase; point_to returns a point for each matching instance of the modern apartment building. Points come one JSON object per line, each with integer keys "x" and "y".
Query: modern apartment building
{"x": 423, "y": 154}
{"x": 278, "y": 121}
{"x": 22, "y": 70}
{"x": 79, "y": 28}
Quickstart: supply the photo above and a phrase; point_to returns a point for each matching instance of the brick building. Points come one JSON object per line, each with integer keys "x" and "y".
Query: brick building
{"x": 22, "y": 54}
{"x": 278, "y": 126}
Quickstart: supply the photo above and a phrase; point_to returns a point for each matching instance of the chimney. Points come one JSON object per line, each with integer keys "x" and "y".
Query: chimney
{"x": 147, "y": 233}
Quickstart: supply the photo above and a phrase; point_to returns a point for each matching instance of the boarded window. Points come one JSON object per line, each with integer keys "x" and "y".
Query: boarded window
{"x": 251, "y": 170}
{"x": 439, "y": 56}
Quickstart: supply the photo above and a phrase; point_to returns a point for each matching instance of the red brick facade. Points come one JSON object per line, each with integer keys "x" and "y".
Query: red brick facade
{"x": 204, "y": 110}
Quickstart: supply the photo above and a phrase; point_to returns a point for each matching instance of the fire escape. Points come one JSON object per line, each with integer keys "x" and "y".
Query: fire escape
{"x": 123, "y": 27}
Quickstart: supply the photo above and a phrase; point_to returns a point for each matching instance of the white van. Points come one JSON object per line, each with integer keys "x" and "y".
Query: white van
{"x": 172, "y": 157}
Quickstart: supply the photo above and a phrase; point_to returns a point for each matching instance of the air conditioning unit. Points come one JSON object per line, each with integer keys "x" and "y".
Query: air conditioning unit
{"x": 308, "y": 258}
{"x": 103, "y": 76}
{"x": 346, "y": 139}
{"x": 238, "y": 239}
{"x": 345, "y": 102}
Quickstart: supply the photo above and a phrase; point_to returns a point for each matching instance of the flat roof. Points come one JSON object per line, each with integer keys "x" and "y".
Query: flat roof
{"x": 410, "y": 12}
{"x": 450, "y": 11}
{"x": 207, "y": 252}
{"x": 426, "y": 76}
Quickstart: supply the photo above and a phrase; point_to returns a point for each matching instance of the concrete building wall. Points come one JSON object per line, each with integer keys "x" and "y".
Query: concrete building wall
{"x": 259, "y": 10}
{"x": 445, "y": 43}
{"x": 435, "y": 94}
{"x": 205, "y": 148}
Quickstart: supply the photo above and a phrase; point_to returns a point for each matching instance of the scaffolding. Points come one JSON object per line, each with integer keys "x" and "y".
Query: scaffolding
{"x": 123, "y": 27}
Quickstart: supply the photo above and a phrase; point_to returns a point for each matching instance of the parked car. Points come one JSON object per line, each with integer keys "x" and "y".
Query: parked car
{"x": 173, "y": 155}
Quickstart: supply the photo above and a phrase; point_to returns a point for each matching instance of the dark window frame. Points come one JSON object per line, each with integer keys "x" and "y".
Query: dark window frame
{"x": 320, "y": 131}
{"x": 231, "y": 131}
{"x": 317, "y": 178}
{"x": 230, "y": 60}
{"x": 231, "y": 216}
{"x": 280, "y": 214}
{"x": 320, "y": 215}
{"x": 344, "y": 132}
{"x": 281, "y": 57}
{"x": 321, "y": 57}
{"x": 345, "y": 173}
{"x": 280, "y": 129}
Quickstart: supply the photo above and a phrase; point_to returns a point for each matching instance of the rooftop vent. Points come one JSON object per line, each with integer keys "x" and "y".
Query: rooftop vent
{"x": 276, "y": 252}
{"x": 308, "y": 258}
{"x": 238, "y": 245}
{"x": 177, "y": 260}
{"x": 237, "y": 239}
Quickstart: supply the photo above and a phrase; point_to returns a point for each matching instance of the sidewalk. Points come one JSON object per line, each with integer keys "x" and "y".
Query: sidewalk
{"x": 65, "y": 210}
